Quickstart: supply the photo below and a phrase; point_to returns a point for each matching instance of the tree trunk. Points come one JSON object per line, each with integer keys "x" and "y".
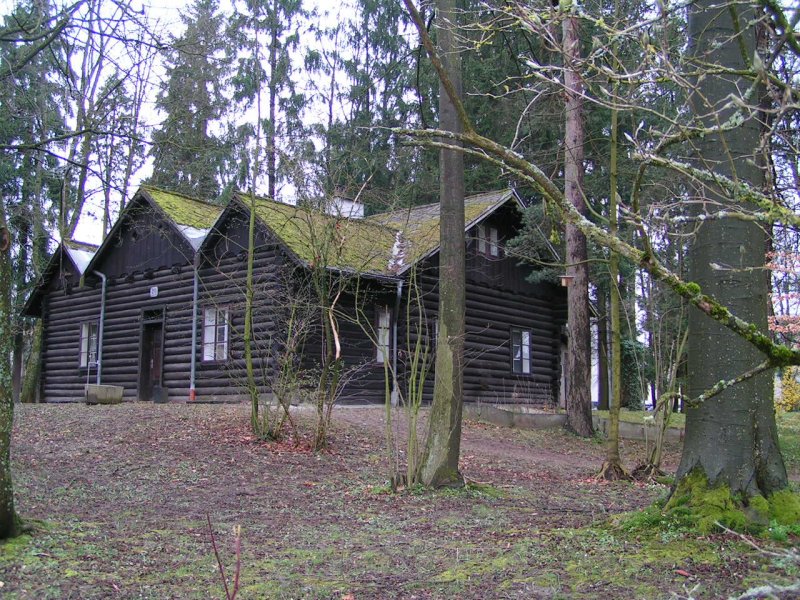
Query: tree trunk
{"x": 249, "y": 294}
{"x": 731, "y": 439}
{"x": 33, "y": 367}
{"x": 602, "y": 349}
{"x": 8, "y": 519}
{"x": 579, "y": 400}
{"x": 612, "y": 468}
{"x": 23, "y": 228}
{"x": 439, "y": 464}
{"x": 272, "y": 144}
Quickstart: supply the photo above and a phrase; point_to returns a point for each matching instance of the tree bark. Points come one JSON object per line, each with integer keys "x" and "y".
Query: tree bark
{"x": 578, "y": 396}
{"x": 612, "y": 468}
{"x": 33, "y": 367}
{"x": 602, "y": 350}
{"x": 272, "y": 143}
{"x": 731, "y": 438}
{"x": 8, "y": 518}
{"x": 439, "y": 464}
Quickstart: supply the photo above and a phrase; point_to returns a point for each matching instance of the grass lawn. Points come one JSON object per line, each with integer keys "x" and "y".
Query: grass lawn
{"x": 119, "y": 497}
{"x": 788, "y": 431}
{"x": 637, "y": 416}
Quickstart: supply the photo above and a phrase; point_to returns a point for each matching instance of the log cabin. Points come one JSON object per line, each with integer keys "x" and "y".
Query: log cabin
{"x": 158, "y": 308}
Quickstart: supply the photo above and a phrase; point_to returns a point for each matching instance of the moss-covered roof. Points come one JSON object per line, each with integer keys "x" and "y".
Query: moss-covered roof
{"x": 420, "y": 225}
{"x": 316, "y": 238}
{"x": 385, "y": 244}
{"x": 183, "y": 210}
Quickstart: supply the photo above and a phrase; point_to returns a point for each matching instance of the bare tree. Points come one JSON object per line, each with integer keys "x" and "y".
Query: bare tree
{"x": 728, "y": 196}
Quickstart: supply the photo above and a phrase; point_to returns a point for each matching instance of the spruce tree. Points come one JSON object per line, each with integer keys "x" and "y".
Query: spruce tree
{"x": 189, "y": 155}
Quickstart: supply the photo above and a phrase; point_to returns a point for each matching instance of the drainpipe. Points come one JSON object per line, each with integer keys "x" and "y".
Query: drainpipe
{"x": 397, "y": 303}
{"x": 101, "y": 327}
{"x": 195, "y": 297}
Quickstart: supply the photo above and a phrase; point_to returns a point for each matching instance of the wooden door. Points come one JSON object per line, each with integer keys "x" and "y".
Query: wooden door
{"x": 151, "y": 359}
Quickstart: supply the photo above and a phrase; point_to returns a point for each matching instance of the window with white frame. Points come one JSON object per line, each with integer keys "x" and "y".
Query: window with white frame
{"x": 88, "y": 355}
{"x": 215, "y": 333}
{"x": 488, "y": 241}
{"x": 521, "y": 351}
{"x": 383, "y": 332}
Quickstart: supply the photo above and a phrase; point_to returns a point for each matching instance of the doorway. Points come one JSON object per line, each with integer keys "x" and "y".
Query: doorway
{"x": 151, "y": 360}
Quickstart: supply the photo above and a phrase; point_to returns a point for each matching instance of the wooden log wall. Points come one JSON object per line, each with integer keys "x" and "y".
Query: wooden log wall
{"x": 223, "y": 284}
{"x": 64, "y": 310}
{"x": 363, "y": 376}
{"x": 498, "y": 298}
{"x": 145, "y": 254}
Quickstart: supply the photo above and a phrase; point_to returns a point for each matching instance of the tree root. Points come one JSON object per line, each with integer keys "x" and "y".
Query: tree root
{"x": 612, "y": 471}
{"x": 647, "y": 472}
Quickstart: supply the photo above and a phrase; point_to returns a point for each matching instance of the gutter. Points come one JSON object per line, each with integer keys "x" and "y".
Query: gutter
{"x": 195, "y": 298}
{"x": 101, "y": 327}
{"x": 397, "y": 304}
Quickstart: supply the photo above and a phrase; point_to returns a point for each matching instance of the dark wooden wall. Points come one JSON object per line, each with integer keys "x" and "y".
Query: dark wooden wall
{"x": 498, "y": 298}
{"x": 223, "y": 276}
{"x": 143, "y": 241}
{"x": 62, "y": 379}
{"x": 363, "y": 376}
{"x": 63, "y": 311}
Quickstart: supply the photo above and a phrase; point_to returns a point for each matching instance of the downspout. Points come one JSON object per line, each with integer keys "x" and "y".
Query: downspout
{"x": 397, "y": 303}
{"x": 101, "y": 327}
{"x": 195, "y": 297}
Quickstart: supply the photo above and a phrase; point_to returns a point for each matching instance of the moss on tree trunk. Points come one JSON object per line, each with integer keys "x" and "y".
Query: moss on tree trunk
{"x": 578, "y": 392}
{"x": 9, "y": 526}
{"x": 33, "y": 366}
{"x": 731, "y": 438}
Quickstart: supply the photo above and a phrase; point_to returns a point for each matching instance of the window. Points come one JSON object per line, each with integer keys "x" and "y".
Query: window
{"x": 384, "y": 332}
{"x": 88, "y": 356}
{"x": 521, "y": 351}
{"x": 215, "y": 333}
{"x": 488, "y": 241}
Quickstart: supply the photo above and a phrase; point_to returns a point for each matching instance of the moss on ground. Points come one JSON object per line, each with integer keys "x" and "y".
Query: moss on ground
{"x": 696, "y": 504}
{"x": 784, "y": 507}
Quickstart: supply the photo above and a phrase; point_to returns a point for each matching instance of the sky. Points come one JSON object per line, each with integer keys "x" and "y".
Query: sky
{"x": 168, "y": 15}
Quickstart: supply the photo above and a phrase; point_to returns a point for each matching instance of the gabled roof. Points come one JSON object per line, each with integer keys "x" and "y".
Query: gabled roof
{"x": 80, "y": 254}
{"x": 419, "y": 225}
{"x": 384, "y": 245}
{"x": 191, "y": 218}
{"x": 339, "y": 243}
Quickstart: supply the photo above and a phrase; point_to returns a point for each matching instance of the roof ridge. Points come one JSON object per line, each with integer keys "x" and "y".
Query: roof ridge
{"x": 78, "y": 245}
{"x": 410, "y": 209}
{"x": 148, "y": 187}
{"x": 360, "y": 220}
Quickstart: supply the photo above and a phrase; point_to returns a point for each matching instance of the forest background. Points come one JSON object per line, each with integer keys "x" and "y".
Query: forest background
{"x": 81, "y": 82}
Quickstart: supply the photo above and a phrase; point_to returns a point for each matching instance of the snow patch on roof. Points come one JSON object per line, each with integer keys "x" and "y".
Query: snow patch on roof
{"x": 193, "y": 235}
{"x": 81, "y": 258}
{"x": 398, "y": 253}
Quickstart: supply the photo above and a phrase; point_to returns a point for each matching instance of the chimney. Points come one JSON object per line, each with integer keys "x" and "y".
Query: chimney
{"x": 345, "y": 207}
